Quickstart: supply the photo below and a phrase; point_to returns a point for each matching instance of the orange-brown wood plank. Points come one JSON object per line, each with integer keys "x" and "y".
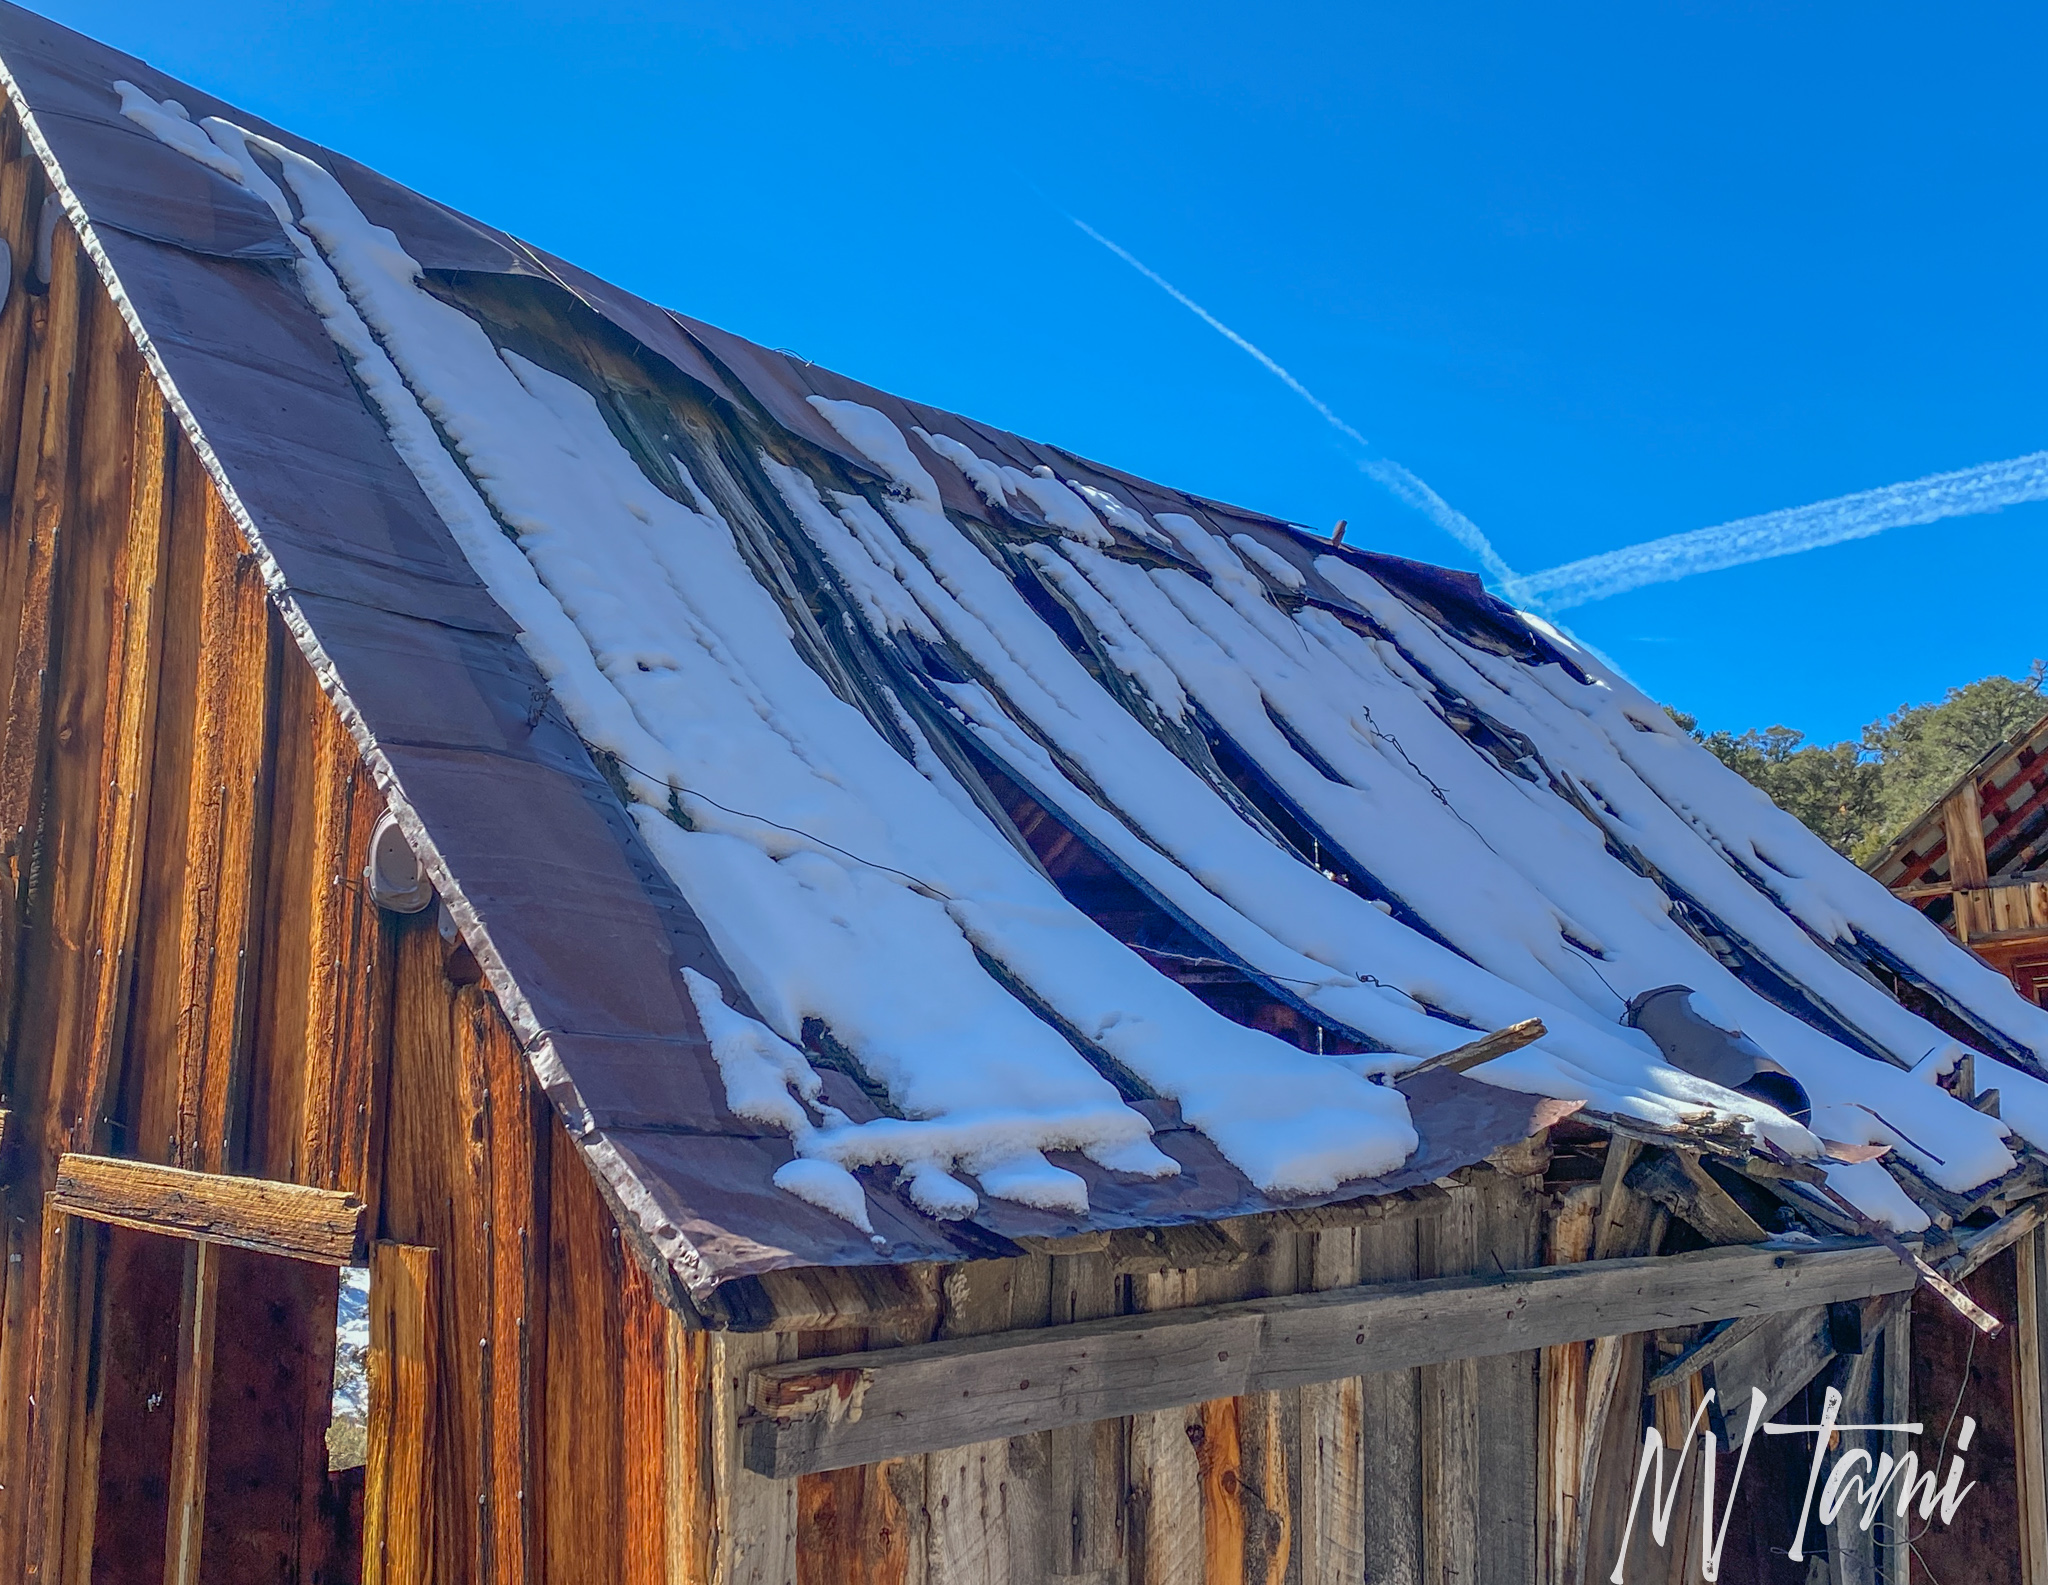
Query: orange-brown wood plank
{"x": 643, "y": 1332}
{"x": 433, "y": 1195}
{"x": 284, "y": 1062}
{"x": 583, "y": 1486}
{"x": 515, "y": 1223}
{"x": 230, "y": 738}
{"x": 400, "y": 1515}
{"x": 27, "y": 594}
{"x": 147, "y": 1110}
{"x": 35, "y": 546}
{"x": 78, "y": 951}
{"x": 690, "y": 1536}
{"x": 140, "y": 498}
{"x": 22, "y": 185}
{"x": 351, "y": 965}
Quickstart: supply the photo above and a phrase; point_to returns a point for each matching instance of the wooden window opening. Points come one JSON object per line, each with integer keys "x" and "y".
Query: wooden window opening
{"x": 187, "y": 1384}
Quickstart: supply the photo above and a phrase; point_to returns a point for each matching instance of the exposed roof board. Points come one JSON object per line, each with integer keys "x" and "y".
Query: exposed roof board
{"x": 1125, "y": 843}
{"x": 2012, "y": 783}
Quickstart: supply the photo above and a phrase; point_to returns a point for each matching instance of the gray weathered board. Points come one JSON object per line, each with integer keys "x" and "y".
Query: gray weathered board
{"x": 822, "y": 1414}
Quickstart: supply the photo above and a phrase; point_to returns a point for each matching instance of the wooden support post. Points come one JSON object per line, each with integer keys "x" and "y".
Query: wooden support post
{"x": 198, "y": 1310}
{"x": 1624, "y": 1225}
{"x": 989, "y": 1505}
{"x": 1088, "y": 1479}
{"x": 60, "y": 1490}
{"x": 2029, "y": 1435}
{"x": 1852, "y": 1550}
{"x": 405, "y": 1343}
{"x": 1894, "y": 1556}
{"x": 1448, "y": 1245}
{"x": 1392, "y": 1418}
{"x": 1962, "y": 822}
{"x": 755, "y": 1516}
{"x": 1333, "y": 1495}
{"x": 1564, "y": 1380}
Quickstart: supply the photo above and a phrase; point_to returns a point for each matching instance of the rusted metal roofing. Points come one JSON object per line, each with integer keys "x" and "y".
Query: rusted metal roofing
{"x": 580, "y": 929}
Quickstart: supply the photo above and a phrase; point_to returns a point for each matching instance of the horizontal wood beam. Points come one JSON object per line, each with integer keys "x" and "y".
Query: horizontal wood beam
{"x": 822, "y": 1414}
{"x": 269, "y": 1217}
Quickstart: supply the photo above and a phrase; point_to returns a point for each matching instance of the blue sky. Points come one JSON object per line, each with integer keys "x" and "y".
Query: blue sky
{"x": 1599, "y": 273}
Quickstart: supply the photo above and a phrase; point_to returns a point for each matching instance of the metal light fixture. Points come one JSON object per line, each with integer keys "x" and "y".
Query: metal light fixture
{"x": 396, "y": 877}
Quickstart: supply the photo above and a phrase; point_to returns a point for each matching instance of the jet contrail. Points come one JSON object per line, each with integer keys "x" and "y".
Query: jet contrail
{"x": 1390, "y": 475}
{"x": 1961, "y": 494}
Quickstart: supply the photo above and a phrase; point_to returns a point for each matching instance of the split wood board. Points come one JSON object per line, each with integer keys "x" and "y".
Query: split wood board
{"x": 269, "y": 1217}
{"x": 822, "y": 1414}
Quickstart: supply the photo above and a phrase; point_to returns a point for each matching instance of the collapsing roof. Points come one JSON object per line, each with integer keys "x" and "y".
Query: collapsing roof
{"x": 892, "y": 837}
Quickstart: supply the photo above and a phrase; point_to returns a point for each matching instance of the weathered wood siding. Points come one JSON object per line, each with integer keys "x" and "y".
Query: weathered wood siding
{"x": 191, "y": 974}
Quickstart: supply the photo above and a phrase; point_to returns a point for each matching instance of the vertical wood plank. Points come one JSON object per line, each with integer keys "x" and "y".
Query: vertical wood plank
{"x": 1219, "y": 1467}
{"x": 511, "y": 1142}
{"x": 989, "y": 1506}
{"x": 756, "y": 1518}
{"x": 405, "y": 1352}
{"x": 1894, "y": 1556}
{"x": 61, "y": 1484}
{"x": 1625, "y": 1224}
{"x": 642, "y": 1373}
{"x": 1333, "y": 1495}
{"x": 1564, "y": 1382}
{"x": 1392, "y": 1402}
{"x": 2029, "y": 1407}
{"x": 582, "y": 1479}
{"x": 133, "y": 671}
{"x": 151, "y": 1059}
{"x": 35, "y": 540}
{"x": 1962, "y": 822}
{"x": 1166, "y": 1520}
{"x": 77, "y": 818}
{"x": 189, "y": 1436}
{"x": 230, "y": 738}
{"x": 1449, "y": 1246}
{"x": 688, "y": 1532}
{"x": 1508, "y": 1416}
{"x": 433, "y": 1196}
{"x": 1088, "y": 1475}
{"x": 349, "y": 959}
{"x": 24, "y": 388}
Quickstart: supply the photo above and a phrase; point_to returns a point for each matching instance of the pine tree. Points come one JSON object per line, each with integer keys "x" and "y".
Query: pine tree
{"x": 1856, "y": 795}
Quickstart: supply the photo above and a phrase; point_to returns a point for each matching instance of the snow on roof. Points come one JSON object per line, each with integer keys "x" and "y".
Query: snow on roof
{"x": 1034, "y": 813}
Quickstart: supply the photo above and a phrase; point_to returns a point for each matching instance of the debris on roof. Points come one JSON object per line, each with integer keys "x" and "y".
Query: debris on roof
{"x": 1052, "y": 848}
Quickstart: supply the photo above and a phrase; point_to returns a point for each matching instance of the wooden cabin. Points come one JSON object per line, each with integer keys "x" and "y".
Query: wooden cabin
{"x": 387, "y": 892}
{"x": 1977, "y": 861}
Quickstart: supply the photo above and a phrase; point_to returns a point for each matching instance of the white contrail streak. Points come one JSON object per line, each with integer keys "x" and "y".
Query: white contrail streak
{"x": 1961, "y": 494}
{"x": 1390, "y": 475}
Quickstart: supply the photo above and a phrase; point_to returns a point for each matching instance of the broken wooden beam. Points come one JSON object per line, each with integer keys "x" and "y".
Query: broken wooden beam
{"x": 269, "y": 1217}
{"x": 1676, "y": 1180}
{"x": 1484, "y": 1049}
{"x": 823, "y": 1414}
